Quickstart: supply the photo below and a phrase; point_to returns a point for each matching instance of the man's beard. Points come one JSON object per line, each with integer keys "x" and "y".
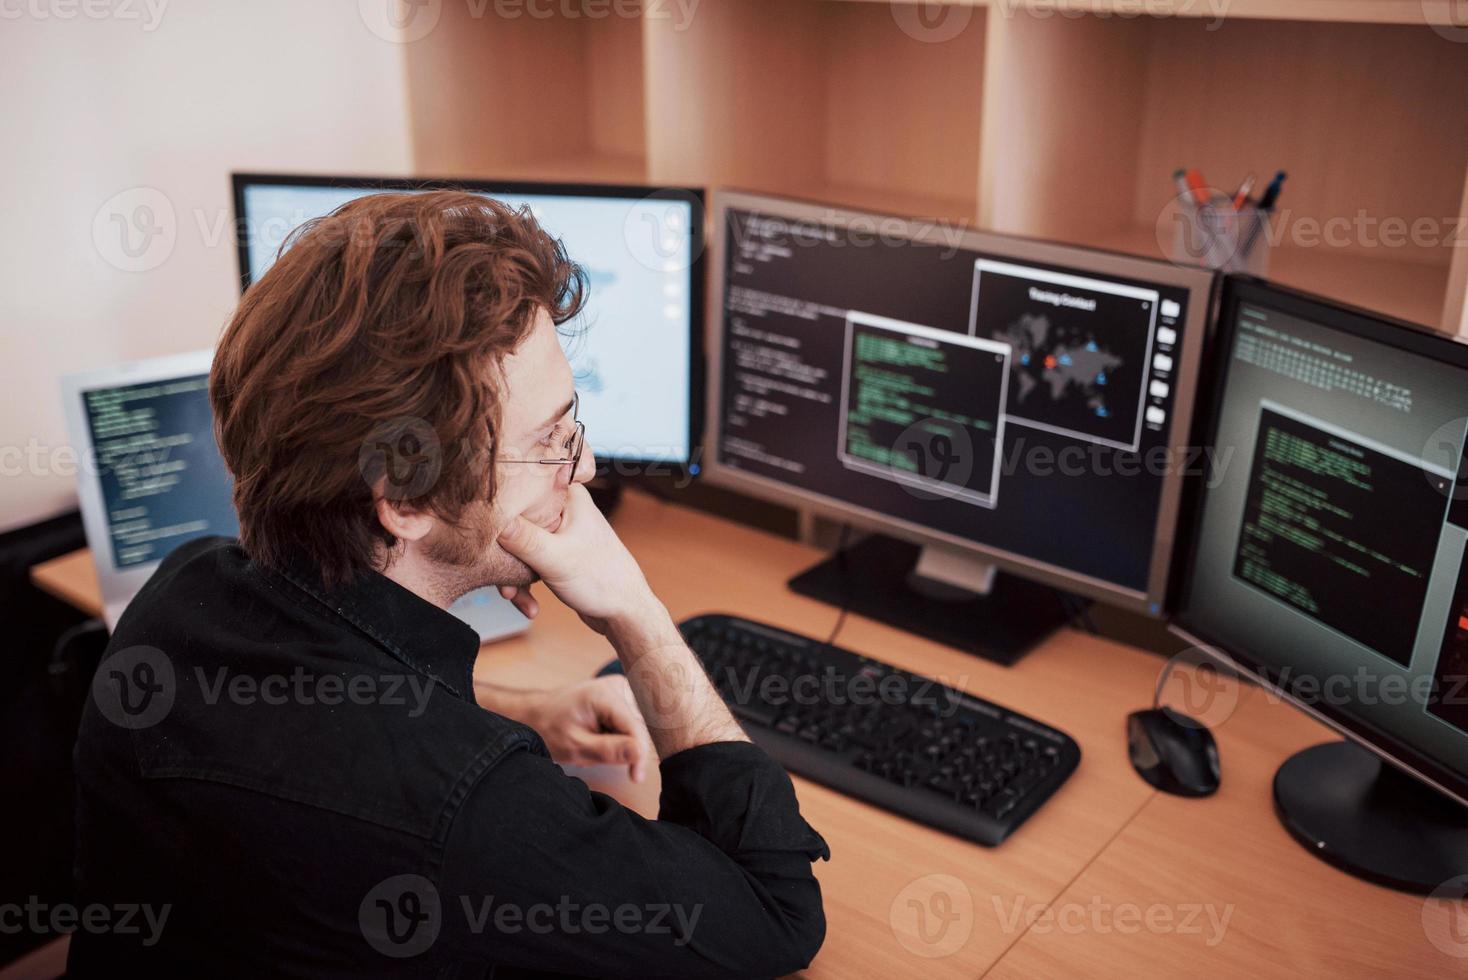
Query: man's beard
{"x": 469, "y": 557}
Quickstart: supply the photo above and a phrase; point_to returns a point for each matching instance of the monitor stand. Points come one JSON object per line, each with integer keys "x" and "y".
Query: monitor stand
{"x": 1370, "y": 819}
{"x": 939, "y": 593}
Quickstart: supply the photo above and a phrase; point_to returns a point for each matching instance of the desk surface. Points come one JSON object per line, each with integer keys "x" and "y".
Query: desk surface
{"x": 1110, "y": 878}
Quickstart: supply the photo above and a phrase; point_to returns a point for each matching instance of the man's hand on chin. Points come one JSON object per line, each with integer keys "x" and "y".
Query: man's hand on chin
{"x": 590, "y": 723}
{"x": 584, "y": 564}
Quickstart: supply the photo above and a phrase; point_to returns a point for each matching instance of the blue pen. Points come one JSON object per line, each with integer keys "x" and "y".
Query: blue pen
{"x": 1271, "y": 193}
{"x": 1264, "y": 207}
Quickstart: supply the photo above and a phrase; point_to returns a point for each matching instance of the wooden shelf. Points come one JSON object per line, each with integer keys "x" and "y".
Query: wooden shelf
{"x": 1410, "y": 290}
{"x": 1055, "y": 119}
{"x": 958, "y": 211}
{"x": 498, "y": 96}
{"x": 826, "y": 99}
{"x": 1415, "y": 12}
{"x": 1362, "y": 147}
{"x": 585, "y": 168}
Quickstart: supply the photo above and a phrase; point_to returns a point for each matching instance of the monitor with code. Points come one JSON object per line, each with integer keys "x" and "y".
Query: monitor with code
{"x": 162, "y": 479}
{"x": 1330, "y": 550}
{"x": 1026, "y": 401}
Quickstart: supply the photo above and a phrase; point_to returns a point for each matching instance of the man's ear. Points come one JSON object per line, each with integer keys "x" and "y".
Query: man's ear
{"x": 402, "y": 520}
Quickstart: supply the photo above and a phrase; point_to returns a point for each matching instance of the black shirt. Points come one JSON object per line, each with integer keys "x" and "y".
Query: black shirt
{"x": 287, "y": 780}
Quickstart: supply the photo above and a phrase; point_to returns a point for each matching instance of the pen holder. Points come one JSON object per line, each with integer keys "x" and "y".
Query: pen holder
{"x": 1222, "y": 238}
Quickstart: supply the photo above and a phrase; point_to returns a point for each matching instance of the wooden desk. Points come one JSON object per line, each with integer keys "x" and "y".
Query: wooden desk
{"x": 1106, "y": 839}
{"x": 1228, "y": 859}
{"x": 71, "y": 578}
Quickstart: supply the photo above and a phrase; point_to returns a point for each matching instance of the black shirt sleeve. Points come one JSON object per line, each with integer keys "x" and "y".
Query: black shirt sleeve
{"x": 541, "y": 873}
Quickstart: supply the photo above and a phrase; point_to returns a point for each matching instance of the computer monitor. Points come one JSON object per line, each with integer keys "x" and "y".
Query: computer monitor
{"x": 638, "y": 363}
{"x": 1327, "y": 558}
{"x": 151, "y": 476}
{"x": 1005, "y": 404}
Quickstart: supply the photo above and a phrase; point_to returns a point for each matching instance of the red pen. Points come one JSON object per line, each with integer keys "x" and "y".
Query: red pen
{"x": 1200, "y": 190}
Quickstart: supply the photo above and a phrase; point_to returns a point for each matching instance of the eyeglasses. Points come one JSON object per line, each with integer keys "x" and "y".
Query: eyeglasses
{"x": 573, "y": 445}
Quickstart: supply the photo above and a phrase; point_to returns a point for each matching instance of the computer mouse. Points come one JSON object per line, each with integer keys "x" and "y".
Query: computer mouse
{"x": 1173, "y": 752}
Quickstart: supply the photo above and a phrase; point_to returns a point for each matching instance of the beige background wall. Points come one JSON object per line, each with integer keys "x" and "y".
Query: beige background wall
{"x": 170, "y": 98}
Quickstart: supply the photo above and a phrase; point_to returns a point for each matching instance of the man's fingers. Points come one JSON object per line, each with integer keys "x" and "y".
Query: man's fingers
{"x": 528, "y": 542}
{"x": 616, "y": 711}
{"x": 616, "y": 708}
{"x": 638, "y": 769}
{"x": 604, "y": 750}
{"x": 526, "y": 603}
{"x": 521, "y": 599}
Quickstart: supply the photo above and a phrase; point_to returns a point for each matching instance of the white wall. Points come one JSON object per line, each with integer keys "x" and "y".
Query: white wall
{"x": 104, "y": 97}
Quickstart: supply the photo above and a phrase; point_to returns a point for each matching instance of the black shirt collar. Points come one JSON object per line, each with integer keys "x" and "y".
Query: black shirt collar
{"x": 410, "y": 628}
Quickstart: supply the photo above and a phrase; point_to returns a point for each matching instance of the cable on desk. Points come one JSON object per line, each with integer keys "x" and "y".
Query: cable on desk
{"x": 1066, "y": 609}
{"x": 841, "y": 573}
{"x": 1084, "y": 609}
{"x": 1076, "y": 614}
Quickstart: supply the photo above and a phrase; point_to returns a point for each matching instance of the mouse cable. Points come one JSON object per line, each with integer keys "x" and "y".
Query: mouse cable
{"x": 845, "y": 590}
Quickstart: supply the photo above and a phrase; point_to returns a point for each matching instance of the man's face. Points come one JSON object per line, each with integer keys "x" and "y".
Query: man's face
{"x": 535, "y": 423}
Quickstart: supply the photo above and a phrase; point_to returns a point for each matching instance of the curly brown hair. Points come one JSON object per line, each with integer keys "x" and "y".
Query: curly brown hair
{"x": 381, "y": 327}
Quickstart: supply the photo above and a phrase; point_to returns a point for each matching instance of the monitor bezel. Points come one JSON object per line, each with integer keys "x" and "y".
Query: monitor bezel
{"x": 643, "y": 467}
{"x": 1200, "y": 282}
{"x": 1377, "y": 327}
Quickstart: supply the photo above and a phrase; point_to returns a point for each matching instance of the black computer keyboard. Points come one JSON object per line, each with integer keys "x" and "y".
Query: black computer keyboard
{"x": 898, "y": 740}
